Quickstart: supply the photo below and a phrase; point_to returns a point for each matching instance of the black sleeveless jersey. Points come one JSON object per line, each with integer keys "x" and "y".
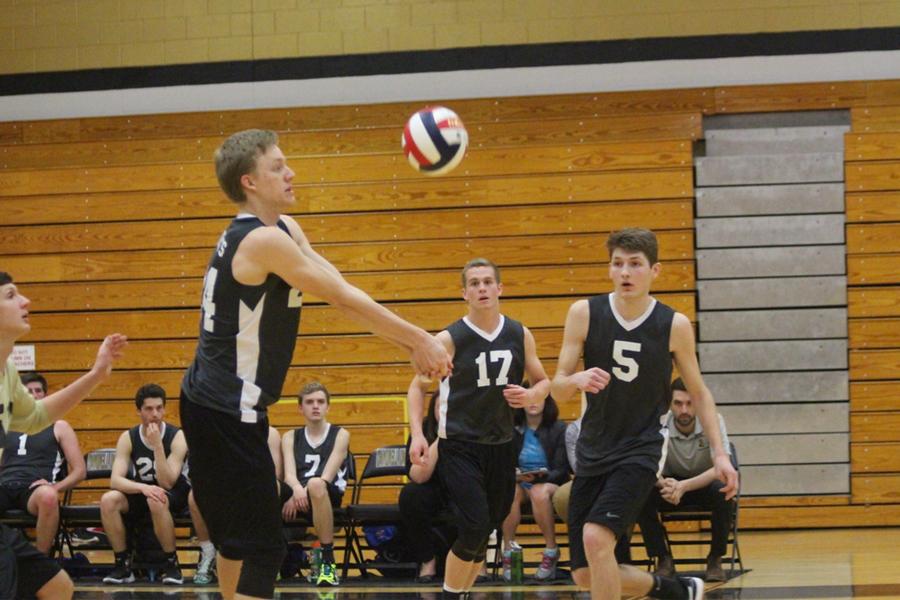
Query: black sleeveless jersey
{"x": 623, "y": 423}
{"x": 311, "y": 460}
{"x": 27, "y": 458}
{"x": 247, "y": 334}
{"x": 471, "y": 403}
{"x": 143, "y": 466}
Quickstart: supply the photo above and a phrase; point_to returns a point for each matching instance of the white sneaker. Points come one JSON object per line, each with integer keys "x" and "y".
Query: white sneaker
{"x": 694, "y": 586}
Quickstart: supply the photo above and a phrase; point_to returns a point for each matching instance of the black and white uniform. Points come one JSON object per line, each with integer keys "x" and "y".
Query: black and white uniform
{"x": 143, "y": 470}
{"x": 247, "y": 339}
{"x": 475, "y": 425}
{"x": 26, "y": 459}
{"x": 311, "y": 460}
{"x": 622, "y": 444}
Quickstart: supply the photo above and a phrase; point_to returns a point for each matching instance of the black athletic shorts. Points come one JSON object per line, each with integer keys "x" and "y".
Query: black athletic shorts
{"x": 234, "y": 483}
{"x": 178, "y": 501}
{"x": 613, "y": 500}
{"x": 23, "y": 568}
{"x": 480, "y": 481}
{"x": 15, "y": 496}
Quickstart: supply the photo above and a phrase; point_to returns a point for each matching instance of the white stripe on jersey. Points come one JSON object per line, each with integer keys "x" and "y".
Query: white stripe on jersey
{"x": 247, "y": 349}
{"x": 665, "y": 449}
{"x": 57, "y": 467}
{"x": 443, "y": 395}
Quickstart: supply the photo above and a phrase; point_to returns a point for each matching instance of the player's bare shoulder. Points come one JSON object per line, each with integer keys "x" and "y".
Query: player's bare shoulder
{"x": 682, "y": 334}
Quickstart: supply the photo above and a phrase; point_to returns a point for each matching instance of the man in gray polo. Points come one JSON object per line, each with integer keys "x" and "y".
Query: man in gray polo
{"x": 688, "y": 478}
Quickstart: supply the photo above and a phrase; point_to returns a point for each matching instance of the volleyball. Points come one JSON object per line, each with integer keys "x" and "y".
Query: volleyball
{"x": 434, "y": 140}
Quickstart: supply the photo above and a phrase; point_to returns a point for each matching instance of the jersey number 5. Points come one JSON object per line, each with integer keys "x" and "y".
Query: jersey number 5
{"x": 627, "y": 369}
{"x": 496, "y": 355}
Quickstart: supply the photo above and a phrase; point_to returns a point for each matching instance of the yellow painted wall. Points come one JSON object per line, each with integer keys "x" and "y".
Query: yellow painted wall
{"x": 43, "y": 35}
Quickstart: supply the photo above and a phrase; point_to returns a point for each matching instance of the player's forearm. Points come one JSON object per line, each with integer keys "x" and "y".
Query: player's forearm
{"x": 540, "y": 390}
{"x": 61, "y": 402}
{"x": 415, "y": 399}
{"x": 126, "y": 486}
{"x": 70, "y": 481}
{"x": 700, "y": 481}
{"x": 562, "y": 388}
{"x": 380, "y": 321}
{"x": 710, "y": 423}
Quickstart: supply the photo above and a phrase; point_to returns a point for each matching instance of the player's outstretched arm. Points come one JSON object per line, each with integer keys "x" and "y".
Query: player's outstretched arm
{"x": 59, "y": 403}
{"x": 567, "y": 380}
{"x": 269, "y": 250}
{"x": 684, "y": 353}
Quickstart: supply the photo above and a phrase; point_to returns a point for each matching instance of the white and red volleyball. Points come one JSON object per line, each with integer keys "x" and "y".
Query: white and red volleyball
{"x": 435, "y": 140}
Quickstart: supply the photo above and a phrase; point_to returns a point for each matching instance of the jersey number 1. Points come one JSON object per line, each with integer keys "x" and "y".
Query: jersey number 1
{"x": 627, "y": 369}
{"x": 496, "y": 355}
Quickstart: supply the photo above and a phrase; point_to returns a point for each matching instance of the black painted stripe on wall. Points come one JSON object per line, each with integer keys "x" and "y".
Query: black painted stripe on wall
{"x": 458, "y": 59}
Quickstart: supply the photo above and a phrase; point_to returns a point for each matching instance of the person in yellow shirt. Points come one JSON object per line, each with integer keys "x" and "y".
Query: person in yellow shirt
{"x": 24, "y": 570}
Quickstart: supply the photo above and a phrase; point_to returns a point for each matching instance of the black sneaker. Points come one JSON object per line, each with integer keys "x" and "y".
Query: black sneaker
{"x": 121, "y": 574}
{"x": 172, "y": 574}
{"x": 694, "y": 587}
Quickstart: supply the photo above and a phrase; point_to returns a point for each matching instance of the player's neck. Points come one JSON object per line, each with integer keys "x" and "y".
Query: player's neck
{"x": 6, "y": 348}
{"x": 266, "y": 214}
{"x": 316, "y": 429}
{"x": 486, "y": 320}
{"x": 632, "y": 307}
{"x": 533, "y": 421}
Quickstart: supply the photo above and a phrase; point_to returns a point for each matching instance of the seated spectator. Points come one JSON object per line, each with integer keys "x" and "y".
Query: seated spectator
{"x": 315, "y": 468}
{"x": 543, "y": 467}
{"x": 36, "y": 468}
{"x": 561, "y": 495}
{"x": 688, "y": 479}
{"x": 146, "y": 478}
{"x": 206, "y": 566}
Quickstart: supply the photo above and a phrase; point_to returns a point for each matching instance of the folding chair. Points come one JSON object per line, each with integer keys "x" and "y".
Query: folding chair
{"x": 701, "y": 514}
{"x": 99, "y": 466}
{"x": 388, "y": 461}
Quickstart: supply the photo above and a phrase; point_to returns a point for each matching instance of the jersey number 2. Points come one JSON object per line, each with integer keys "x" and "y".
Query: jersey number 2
{"x": 496, "y": 355}
{"x": 627, "y": 369}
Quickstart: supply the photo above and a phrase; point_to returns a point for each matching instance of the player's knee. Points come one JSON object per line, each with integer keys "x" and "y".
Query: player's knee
{"x": 317, "y": 488}
{"x": 47, "y": 501}
{"x": 598, "y": 540}
{"x": 259, "y": 571}
{"x": 540, "y": 493}
{"x": 111, "y": 502}
{"x": 469, "y": 542}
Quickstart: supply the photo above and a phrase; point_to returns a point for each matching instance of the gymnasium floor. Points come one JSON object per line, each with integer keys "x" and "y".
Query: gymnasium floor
{"x": 825, "y": 564}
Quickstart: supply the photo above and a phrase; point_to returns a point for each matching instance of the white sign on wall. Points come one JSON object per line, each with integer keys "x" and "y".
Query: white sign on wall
{"x": 23, "y": 357}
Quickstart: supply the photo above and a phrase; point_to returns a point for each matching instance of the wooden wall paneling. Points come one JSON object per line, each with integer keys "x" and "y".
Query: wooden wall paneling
{"x": 872, "y": 269}
{"x": 533, "y": 281}
{"x": 866, "y": 365}
{"x": 873, "y": 207}
{"x": 865, "y": 119}
{"x": 875, "y": 457}
{"x": 874, "y": 333}
{"x": 368, "y": 140}
{"x": 875, "y": 489}
{"x": 875, "y": 238}
{"x": 874, "y": 395}
{"x": 873, "y": 301}
{"x": 423, "y": 193}
{"x": 398, "y": 226}
{"x": 367, "y": 257}
{"x": 316, "y": 319}
{"x": 799, "y": 96}
{"x": 871, "y": 146}
{"x": 875, "y": 427}
{"x": 872, "y": 176}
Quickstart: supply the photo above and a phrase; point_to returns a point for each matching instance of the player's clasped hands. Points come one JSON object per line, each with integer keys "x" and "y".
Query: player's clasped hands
{"x": 154, "y": 492}
{"x": 431, "y": 359}
{"x": 591, "y": 380}
{"x": 299, "y": 502}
